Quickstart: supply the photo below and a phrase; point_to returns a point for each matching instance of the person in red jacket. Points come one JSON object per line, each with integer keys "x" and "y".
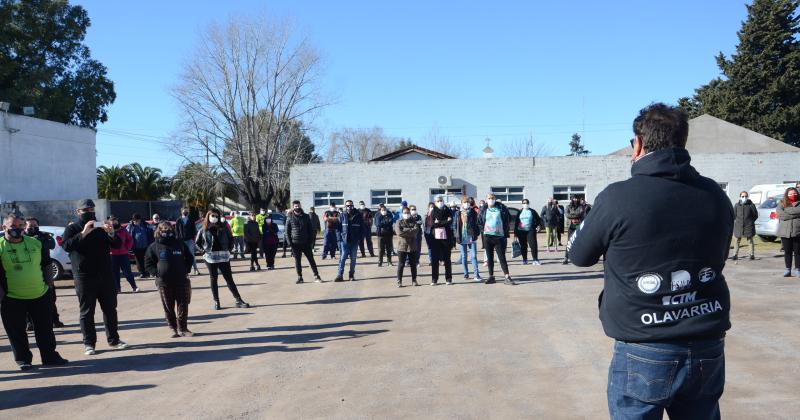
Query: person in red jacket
{"x": 120, "y": 259}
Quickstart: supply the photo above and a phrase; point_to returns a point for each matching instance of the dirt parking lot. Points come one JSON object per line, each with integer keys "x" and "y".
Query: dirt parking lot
{"x": 367, "y": 349}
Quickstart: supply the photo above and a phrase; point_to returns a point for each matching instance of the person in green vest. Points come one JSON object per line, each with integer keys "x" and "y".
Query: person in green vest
{"x": 260, "y": 218}
{"x": 237, "y": 230}
{"x": 26, "y": 293}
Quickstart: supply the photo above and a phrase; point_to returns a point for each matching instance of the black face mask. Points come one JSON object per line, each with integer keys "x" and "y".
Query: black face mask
{"x": 14, "y": 233}
{"x": 297, "y": 210}
{"x": 186, "y": 213}
{"x": 115, "y": 225}
{"x": 87, "y": 216}
{"x": 167, "y": 235}
{"x": 32, "y": 231}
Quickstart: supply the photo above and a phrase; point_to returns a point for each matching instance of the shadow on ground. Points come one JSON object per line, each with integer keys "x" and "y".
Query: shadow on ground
{"x": 23, "y": 397}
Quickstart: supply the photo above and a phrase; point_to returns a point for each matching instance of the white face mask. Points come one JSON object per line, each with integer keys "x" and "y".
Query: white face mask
{"x": 383, "y": 212}
{"x": 524, "y": 206}
{"x": 465, "y": 205}
{"x": 332, "y": 209}
{"x": 490, "y": 202}
{"x": 406, "y": 216}
{"x": 362, "y": 207}
{"x": 263, "y": 212}
{"x": 413, "y": 212}
{"x": 213, "y": 219}
{"x": 439, "y": 204}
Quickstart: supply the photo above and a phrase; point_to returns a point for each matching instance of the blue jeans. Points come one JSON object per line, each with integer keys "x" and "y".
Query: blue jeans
{"x": 347, "y": 250}
{"x": 122, "y": 262}
{"x": 684, "y": 378}
{"x": 190, "y": 244}
{"x": 472, "y": 250}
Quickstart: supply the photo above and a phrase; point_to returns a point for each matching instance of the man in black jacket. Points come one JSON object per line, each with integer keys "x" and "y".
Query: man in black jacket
{"x": 48, "y": 244}
{"x": 89, "y": 248}
{"x": 315, "y": 227}
{"x": 665, "y": 300}
{"x": 299, "y": 235}
{"x": 368, "y": 218}
{"x": 384, "y": 226}
{"x": 186, "y": 231}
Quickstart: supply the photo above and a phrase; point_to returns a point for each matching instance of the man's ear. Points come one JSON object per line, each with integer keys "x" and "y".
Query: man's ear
{"x": 638, "y": 149}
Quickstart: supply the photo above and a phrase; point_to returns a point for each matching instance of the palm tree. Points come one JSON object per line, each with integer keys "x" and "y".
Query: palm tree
{"x": 148, "y": 183}
{"x": 114, "y": 183}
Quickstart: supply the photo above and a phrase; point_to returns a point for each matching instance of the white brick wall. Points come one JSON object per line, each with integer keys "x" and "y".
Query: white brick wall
{"x": 538, "y": 176}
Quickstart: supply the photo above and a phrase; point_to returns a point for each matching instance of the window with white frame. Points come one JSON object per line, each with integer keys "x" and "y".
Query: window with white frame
{"x": 387, "y": 197}
{"x": 326, "y": 198}
{"x": 567, "y": 192}
{"x": 508, "y": 194}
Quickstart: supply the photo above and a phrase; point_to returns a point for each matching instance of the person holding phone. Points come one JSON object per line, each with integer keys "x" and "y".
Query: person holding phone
{"x": 89, "y": 246}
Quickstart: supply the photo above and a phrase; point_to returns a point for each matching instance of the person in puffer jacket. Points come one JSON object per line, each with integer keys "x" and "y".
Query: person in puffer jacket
{"x": 170, "y": 261}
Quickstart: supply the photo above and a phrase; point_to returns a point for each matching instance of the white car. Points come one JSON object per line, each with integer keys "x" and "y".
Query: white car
{"x": 61, "y": 265}
{"x": 766, "y": 198}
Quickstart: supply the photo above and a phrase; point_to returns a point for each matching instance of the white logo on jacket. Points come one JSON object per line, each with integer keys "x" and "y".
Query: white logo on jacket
{"x": 707, "y": 274}
{"x": 649, "y": 282}
{"x": 681, "y": 280}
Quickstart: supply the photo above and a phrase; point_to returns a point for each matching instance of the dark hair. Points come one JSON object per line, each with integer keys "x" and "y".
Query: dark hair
{"x": 345, "y": 202}
{"x": 660, "y": 126}
{"x": 32, "y": 219}
{"x": 785, "y": 202}
{"x": 525, "y": 200}
{"x": 137, "y": 216}
{"x": 296, "y": 202}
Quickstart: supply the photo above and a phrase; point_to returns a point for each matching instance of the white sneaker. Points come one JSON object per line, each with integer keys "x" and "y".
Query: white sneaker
{"x": 536, "y": 262}
{"x": 89, "y": 351}
{"x": 121, "y": 345}
{"x": 136, "y": 290}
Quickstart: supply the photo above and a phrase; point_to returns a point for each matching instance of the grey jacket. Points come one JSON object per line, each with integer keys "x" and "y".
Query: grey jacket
{"x": 744, "y": 226}
{"x": 789, "y": 221}
{"x": 407, "y": 231}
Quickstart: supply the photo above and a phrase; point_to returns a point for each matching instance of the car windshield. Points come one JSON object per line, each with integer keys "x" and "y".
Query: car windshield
{"x": 276, "y": 217}
{"x": 771, "y": 203}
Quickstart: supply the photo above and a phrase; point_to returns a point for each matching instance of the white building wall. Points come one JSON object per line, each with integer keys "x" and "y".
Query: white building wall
{"x": 537, "y": 176}
{"x": 45, "y": 160}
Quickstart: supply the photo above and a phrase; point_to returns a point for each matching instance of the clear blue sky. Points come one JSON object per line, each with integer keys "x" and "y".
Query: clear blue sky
{"x": 475, "y": 69}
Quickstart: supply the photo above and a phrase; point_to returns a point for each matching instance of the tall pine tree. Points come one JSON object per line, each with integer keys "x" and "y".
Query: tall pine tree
{"x": 761, "y": 85}
{"x": 576, "y": 147}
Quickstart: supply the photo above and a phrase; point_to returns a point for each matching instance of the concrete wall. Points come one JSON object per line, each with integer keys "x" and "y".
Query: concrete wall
{"x": 45, "y": 160}
{"x": 537, "y": 176}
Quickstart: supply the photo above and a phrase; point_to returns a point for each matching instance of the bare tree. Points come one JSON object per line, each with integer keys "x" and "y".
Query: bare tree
{"x": 438, "y": 142}
{"x": 525, "y": 147}
{"x": 243, "y": 96}
{"x": 359, "y": 144}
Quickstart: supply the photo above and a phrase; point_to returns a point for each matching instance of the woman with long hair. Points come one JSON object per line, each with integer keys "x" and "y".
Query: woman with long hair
{"x": 216, "y": 241}
{"x": 789, "y": 230}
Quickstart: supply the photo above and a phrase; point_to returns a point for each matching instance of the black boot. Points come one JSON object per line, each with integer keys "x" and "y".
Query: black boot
{"x": 299, "y": 280}
{"x": 216, "y": 305}
{"x": 241, "y": 304}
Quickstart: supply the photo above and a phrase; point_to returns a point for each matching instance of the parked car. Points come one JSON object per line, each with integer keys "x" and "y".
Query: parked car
{"x": 60, "y": 265}
{"x": 280, "y": 220}
{"x": 767, "y": 222}
{"x": 763, "y": 192}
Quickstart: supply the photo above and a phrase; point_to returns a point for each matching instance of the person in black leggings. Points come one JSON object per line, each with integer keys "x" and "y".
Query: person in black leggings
{"x": 789, "y": 230}
{"x": 252, "y": 238}
{"x": 216, "y": 240}
{"x": 494, "y": 221}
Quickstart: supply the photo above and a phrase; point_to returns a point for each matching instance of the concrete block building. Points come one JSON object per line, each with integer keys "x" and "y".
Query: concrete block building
{"x": 737, "y": 158}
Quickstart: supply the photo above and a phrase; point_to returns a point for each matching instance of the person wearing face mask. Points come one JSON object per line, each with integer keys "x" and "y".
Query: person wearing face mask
{"x": 384, "y": 225}
{"x": 48, "y": 244}
{"x": 427, "y": 225}
{"x": 269, "y": 241}
{"x": 349, "y": 232}
{"x": 298, "y": 235}
{"x": 315, "y": 227}
{"x": 408, "y": 230}
{"x": 23, "y": 265}
{"x": 789, "y": 230}
{"x": 261, "y": 217}
{"x": 252, "y": 237}
{"x": 744, "y": 224}
{"x": 467, "y": 234}
{"x": 142, "y": 238}
{"x": 330, "y": 218}
{"x": 575, "y": 215}
{"x": 186, "y": 231}
{"x": 216, "y": 241}
{"x": 368, "y": 220}
{"x": 237, "y": 230}
{"x": 495, "y": 223}
{"x": 525, "y": 232}
{"x": 550, "y": 218}
{"x": 441, "y": 242}
{"x": 89, "y": 246}
{"x": 483, "y": 238}
{"x": 170, "y": 261}
{"x": 119, "y": 255}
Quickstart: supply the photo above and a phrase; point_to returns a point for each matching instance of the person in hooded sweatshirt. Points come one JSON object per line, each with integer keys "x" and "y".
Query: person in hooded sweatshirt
{"x": 441, "y": 242}
{"x": 252, "y": 238}
{"x": 665, "y": 301}
{"x": 170, "y": 261}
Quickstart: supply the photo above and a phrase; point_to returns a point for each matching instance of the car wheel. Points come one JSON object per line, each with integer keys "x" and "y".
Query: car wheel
{"x": 55, "y": 271}
{"x": 767, "y": 238}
